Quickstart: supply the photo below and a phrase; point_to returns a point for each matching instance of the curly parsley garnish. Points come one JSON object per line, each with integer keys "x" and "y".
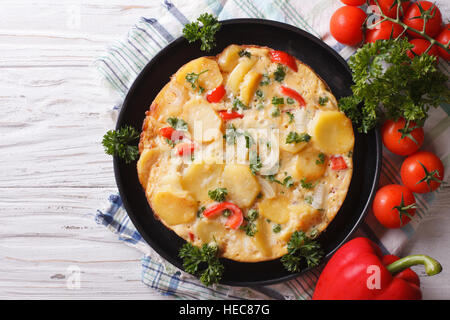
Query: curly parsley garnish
{"x": 250, "y": 226}
{"x": 205, "y": 33}
{"x": 300, "y": 248}
{"x": 121, "y": 143}
{"x": 388, "y": 84}
{"x": 202, "y": 262}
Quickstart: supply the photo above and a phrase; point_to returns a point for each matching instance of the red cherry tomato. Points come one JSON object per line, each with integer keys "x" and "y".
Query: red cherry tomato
{"x": 433, "y": 25}
{"x": 338, "y": 163}
{"x": 225, "y": 115}
{"x": 354, "y": 2}
{"x": 444, "y": 38}
{"x": 383, "y": 31}
{"x": 283, "y": 58}
{"x": 397, "y": 138}
{"x": 422, "y": 172}
{"x": 293, "y": 94}
{"x": 420, "y": 46}
{"x": 389, "y": 10}
{"x": 216, "y": 94}
{"x": 393, "y": 205}
{"x": 346, "y": 25}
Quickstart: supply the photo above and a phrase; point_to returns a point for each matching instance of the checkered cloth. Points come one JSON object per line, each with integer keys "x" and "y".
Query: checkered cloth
{"x": 125, "y": 59}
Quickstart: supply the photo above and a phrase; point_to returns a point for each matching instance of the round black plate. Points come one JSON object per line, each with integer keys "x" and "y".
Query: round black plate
{"x": 308, "y": 49}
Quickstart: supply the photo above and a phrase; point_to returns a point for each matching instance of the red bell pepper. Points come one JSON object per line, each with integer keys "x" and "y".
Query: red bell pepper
{"x": 293, "y": 94}
{"x": 225, "y": 115}
{"x": 283, "y": 58}
{"x": 185, "y": 148}
{"x": 234, "y": 220}
{"x": 171, "y": 134}
{"x": 216, "y": 94}
{"x": 358, "y": 271}
{"x": 338, "y": 163}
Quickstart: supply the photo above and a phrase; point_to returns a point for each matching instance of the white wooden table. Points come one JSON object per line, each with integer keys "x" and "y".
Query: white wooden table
{"x": 53, "y": 172}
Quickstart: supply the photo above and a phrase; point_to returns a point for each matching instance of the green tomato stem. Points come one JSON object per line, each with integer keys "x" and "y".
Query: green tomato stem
{"x": 432, "y": 267}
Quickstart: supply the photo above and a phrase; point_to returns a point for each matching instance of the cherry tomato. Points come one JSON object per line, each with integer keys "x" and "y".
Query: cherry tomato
{"x": 420, "y": 46}
{"x": 400, "y": 140}
{"x": 433, "y": 25}
{"x": 444, "y": 38}
{"x": 422, "y": 172}
{"x": 393, "y": 205}
{"x": 216, "y": 94}
{"x": 346, "y": 25}
{"x": 354, "y": 2}
{"x": 383, "y": 31}
{"x": 389, "y": 10}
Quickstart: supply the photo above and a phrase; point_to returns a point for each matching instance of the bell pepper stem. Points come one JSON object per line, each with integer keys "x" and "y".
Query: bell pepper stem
{"x": 432, "y": 267}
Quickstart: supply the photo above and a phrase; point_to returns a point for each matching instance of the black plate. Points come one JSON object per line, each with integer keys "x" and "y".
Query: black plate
{"x": 308, "y": 49}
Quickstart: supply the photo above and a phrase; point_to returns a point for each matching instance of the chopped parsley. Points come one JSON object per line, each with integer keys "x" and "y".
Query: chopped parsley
{"x": 294, "y": 137}
{"x": 255, "y": 164}
{"x": 276, "y": 228}
{"x": 177, "y": 124}
{"x": 307, "y": 185}
{"x": 276, "y": 112}
{"x": 239, "y": 105}
{"x": 279, "y": 74}
{"x": 244, "y": 53}
{"x": 265, "y": 80}
{"x": 259, "y": 94}
{"x": 323, "y": 101}
{"x": 200, "y": 211}
{"x": 218, "y": 194}
{"x": 291, "y": 116}
{"x": 309, "y": 200}
{"x": 321, "y": 159}
{"x": 277, "y": 101}
{"x": 192, "y": 78}
{"x": 290, "y": 100}
{"x": 250, "y": 226}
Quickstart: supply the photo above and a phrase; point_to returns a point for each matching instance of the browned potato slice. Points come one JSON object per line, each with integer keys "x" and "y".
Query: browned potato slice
{"x": 229, "y": 57}
{"x": 209, "y": 230}
{"x": 333, "y": 132}
{"x": 169, "y": 101}
{"x": 241, "y": 184}
{"x": 147, "y": 159}
{"x": 199, "y": 115}
{"x": 237, "y": 75}
{"x": 174, "y": 208}
{"x": 249, "y": 85}
{"x": 199, "y": 178}
{"x": 275, "y": 209}
{"x": 307, "y": 167}
{"x": 262, "y": 237}
{"x": 208, "y": 80}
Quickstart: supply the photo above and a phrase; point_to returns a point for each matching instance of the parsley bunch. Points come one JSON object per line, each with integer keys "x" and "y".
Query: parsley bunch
{"x": 387, "y": 83}
{"x": 121, "y": 143}
{"x": 300, "y": 247}
{"x": 202, "y": 262}
{"x": 205, "y": 33}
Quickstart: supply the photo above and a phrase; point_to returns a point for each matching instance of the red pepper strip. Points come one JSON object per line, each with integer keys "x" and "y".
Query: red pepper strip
{"x": 283, "y": 58}
{"x": 338, "y": 163}
{"x": 171, "y": 134}
{"x": 234, "y": 220}
{"x": 186, "y": 148}
{"x": 216, "y": 94}
{"x": 293, "y": 94}
{"x": 191, "y": 236}
{"x": 357, "y": 272}
{"x": 225, "y": 115}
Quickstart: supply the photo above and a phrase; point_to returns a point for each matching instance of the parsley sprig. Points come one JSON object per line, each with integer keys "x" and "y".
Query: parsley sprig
{"x": 121, "y": 143}
{"x": 387, "y": 83}
{"x": 202, "y": 262}
{"x": 205, "y": 33}
{"x": 300, "y": 248}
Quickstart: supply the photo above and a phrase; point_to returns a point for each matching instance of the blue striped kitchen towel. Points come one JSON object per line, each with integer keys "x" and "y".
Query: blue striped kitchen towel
{"x": 124, "y": 60}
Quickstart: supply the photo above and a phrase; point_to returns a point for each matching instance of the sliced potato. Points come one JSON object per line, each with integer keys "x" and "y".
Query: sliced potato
{"x": 229, "y": 57}
{"x": 307, "y": 167}
{"x": 309, "y": 216}
{"x": 275, "y": 209}
{"x": 241, "y": 184}
{"x": 203, "y": 122}
{"x": 290, "y": 147}
{"x": 262, "y": 237}
{"x": 199, "y": 178}
{"x": 332, "y": 132}
{"x": 249, "y": 85}
{"x": 148, "y": 158}
{"x": 208, "y": 80}
{"x": 169, "y": 101}
{"x": 237, "y": 75}
{"x": 209, "y": 230}
{"x": 174, "y": 208}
